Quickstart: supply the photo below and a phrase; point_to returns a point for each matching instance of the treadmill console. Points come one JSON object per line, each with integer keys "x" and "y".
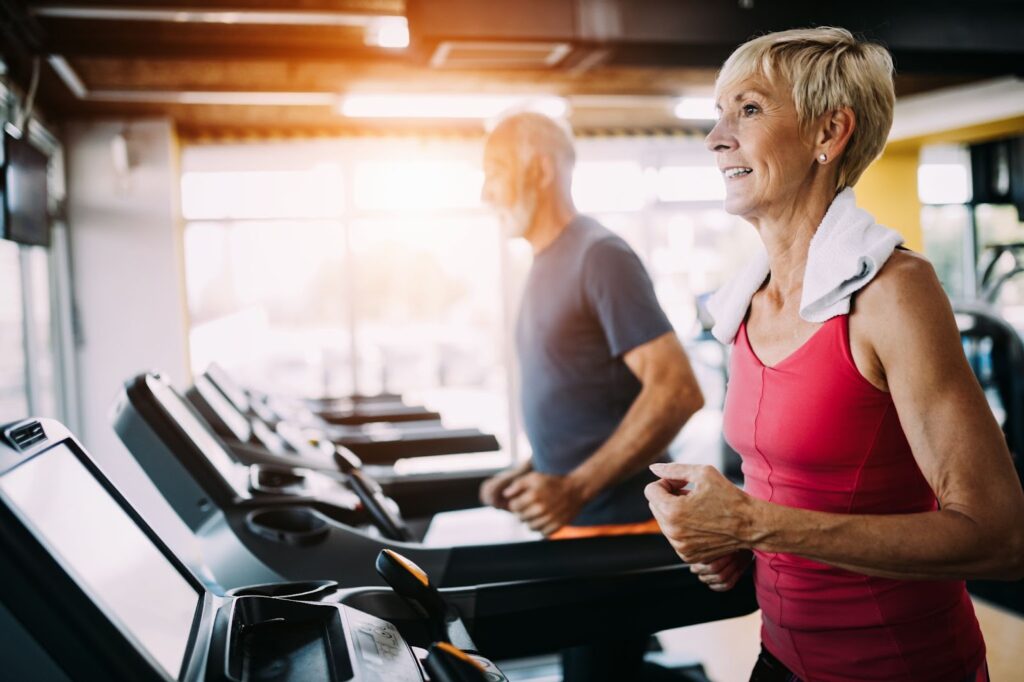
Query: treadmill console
{"x": 107, "y": 599}
{"x": 106, "y": 554}
{"x": 188, "y": 463}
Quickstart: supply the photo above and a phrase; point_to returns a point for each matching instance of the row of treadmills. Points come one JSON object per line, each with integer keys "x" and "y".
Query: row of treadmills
{"x": 312, "y": 562}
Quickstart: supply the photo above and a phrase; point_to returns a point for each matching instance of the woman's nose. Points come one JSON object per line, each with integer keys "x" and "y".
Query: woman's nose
{"x": 719, "y": 139}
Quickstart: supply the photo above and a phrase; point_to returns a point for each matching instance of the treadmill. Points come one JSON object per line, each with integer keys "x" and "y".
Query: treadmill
{"x": 291, "y": 525}
{"x": 93, "y": 593}
{"x": 374, "y": 443}
{"x": 347, "y": 411}
{"x": 90, "y": 591}
{"x": 250, "y": 440}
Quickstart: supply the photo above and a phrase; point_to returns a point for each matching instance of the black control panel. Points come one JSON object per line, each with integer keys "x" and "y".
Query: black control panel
{"x": 97, "y": 588}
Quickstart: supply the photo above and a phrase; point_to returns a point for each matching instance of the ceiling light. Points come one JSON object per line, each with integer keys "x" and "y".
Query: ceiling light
{"x": 447, "y": 106}
{"x": 696, "y": 108}
{"x": 285, "y": 17}
{"x": 391, "y": 32}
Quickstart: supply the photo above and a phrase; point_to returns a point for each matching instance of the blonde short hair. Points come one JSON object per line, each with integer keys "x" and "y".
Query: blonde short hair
{"x": 827, "y": 68}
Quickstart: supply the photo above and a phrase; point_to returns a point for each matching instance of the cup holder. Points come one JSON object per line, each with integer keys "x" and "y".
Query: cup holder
{"x": 306, "y": 590}
{"x": 300, "y": 526}
{"x": 279, "y": 479}
{"x": 276, "y": 480}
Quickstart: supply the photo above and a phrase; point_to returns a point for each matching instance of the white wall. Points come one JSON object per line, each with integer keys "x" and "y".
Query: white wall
{"x": 128, "y": 282}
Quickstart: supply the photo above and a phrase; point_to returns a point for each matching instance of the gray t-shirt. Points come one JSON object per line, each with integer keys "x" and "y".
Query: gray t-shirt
{"x": 588, "y": 301}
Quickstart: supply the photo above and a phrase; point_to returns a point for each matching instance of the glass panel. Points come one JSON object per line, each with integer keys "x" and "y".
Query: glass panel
{"x": 313, "y": 193}
{"x": 945, "y": 229}
{"x": 602, "y": 186}
{"x": 417, "y": 185}
{"x": 430, "y": 318}
{"x": 998, "y": 224}
{"x": 690, "y": 183}
{"x": 694, "y": 252}
{"x": 268, "y": 300}
{"x": 1002, "y": 225}
{"x": 13, "y": 392}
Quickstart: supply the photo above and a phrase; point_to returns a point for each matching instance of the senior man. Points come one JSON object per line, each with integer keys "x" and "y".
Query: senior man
{"x": 606, "y": 384}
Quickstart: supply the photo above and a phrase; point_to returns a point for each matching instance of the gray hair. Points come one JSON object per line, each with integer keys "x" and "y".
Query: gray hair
{"x": 536, "y": 135}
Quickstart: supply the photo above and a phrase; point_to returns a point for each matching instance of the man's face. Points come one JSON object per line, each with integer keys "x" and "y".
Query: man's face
{"x": 505, "y": 188}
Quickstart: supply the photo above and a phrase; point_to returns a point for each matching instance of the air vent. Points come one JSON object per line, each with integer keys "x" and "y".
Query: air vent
{"x": 458, "y": 54}
{"x": 24, "y": 437}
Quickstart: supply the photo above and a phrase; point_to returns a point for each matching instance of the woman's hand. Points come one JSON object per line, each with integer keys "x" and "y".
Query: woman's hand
{"x": 722, "y": 573}
{"x": 704, "y": 522}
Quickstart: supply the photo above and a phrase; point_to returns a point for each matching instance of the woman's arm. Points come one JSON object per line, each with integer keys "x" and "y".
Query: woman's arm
{"x": 978, "y": 531}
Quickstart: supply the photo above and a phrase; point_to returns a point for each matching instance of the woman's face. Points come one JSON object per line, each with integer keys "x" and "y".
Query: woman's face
{"x": 765, "y": 159}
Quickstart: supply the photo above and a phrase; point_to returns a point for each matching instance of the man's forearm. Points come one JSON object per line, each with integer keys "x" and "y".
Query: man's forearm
{"x": 650, "y": 424}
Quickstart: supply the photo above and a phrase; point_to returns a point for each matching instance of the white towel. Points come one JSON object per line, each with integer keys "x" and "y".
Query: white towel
{"x": 845, "y": 254}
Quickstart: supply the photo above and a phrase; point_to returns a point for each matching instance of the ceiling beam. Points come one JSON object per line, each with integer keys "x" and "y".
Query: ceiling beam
{"x": 182, "y": 15}
{"x": 958, "y": 107}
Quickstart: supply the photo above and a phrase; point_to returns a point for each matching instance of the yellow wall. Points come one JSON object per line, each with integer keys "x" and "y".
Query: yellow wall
{"x": 888, "y": 191}
{"x": 888, "y": 188}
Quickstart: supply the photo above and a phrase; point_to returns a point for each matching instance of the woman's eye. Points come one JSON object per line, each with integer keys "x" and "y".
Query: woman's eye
{"x": 750, "y": 109}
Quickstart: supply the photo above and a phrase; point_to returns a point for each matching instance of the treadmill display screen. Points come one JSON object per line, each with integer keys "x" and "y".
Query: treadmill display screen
{"x": 196, "y": 431}
{"x": 106, "y": 553}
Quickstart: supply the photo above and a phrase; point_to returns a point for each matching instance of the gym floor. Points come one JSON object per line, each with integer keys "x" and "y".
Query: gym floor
{"x": 728, "y": 648}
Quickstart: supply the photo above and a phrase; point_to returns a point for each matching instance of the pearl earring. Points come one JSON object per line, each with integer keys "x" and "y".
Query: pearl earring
{"x": 823, "y": 157}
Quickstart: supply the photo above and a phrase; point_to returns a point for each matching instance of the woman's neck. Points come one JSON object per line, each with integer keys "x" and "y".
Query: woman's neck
{"x": 787, "y": 235}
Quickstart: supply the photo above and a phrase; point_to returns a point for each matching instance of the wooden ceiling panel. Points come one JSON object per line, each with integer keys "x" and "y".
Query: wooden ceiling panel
{"x": 351, "y": 75}
{"x": 340, "y": 76}
{"x": 221, "y": 121}
{"x": 267, "y": 120}
{"x": 142, "y": 39}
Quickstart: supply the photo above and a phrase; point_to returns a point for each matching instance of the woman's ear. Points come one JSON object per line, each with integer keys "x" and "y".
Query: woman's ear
{"x": 836, "y": 129}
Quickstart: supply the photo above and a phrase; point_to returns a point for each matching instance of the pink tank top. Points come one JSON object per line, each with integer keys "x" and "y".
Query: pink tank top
{"x": 815, "y": 434}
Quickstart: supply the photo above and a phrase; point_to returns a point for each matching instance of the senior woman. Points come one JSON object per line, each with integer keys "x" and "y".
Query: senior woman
{"x": 877, "y": 479}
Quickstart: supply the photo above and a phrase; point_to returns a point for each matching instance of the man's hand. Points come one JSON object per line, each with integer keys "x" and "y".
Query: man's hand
{"x": 492, "y": 491}
{"x": 543, "y": 501}
{"x": 722, "y": 573}
{"x": 705, "y": 522}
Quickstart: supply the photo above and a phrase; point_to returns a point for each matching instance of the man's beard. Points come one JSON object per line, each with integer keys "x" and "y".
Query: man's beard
{"x": 517, "y": 220}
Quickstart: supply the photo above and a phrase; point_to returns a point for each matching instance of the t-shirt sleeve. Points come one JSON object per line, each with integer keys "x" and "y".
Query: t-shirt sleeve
{"x": 621, "y": 294}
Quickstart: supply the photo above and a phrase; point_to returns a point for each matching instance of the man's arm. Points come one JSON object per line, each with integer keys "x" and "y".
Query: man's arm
{"x": 668, "y": 398}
